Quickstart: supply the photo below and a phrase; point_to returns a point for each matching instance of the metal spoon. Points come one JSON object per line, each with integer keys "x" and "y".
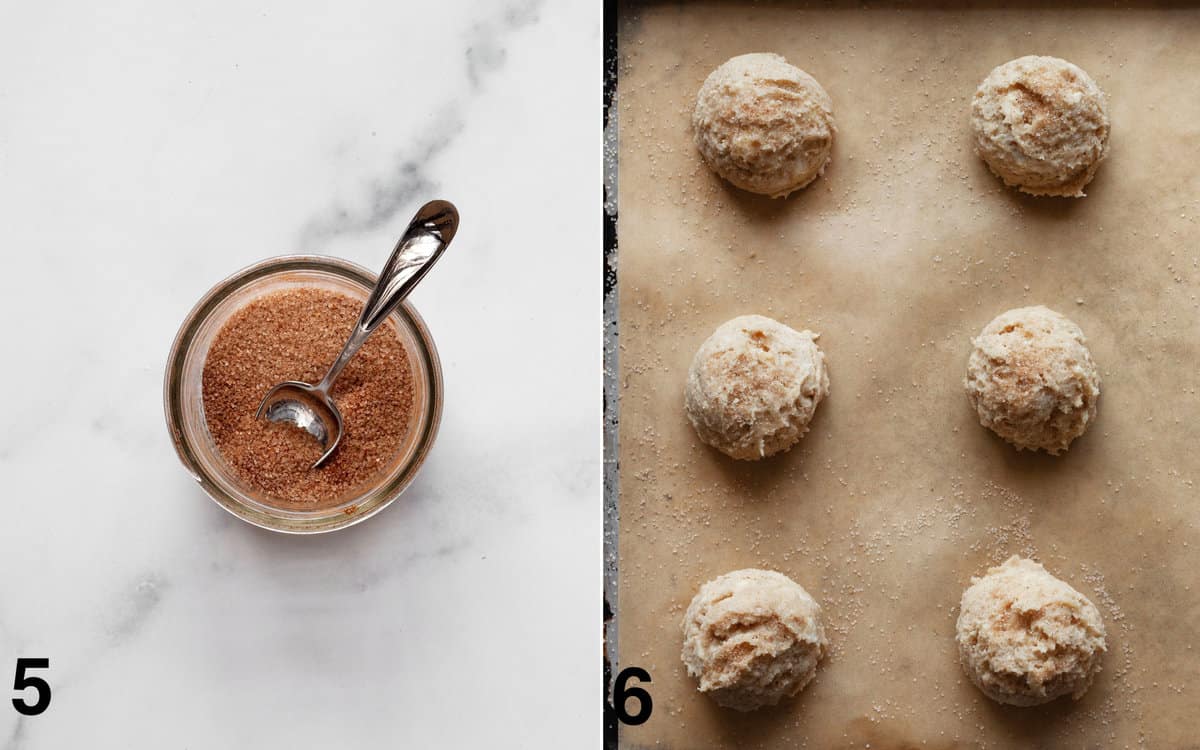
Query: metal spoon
{"x": 310, "y": 407}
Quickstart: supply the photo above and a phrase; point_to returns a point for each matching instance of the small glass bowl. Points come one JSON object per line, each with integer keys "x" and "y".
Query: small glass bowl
{"x": 184, "y": 405}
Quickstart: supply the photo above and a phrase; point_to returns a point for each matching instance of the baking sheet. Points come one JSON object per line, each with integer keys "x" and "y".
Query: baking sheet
{"x": 897, "y": 256}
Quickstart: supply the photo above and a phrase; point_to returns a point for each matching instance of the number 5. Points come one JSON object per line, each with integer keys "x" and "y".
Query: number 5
{"x": 22, "y": 681}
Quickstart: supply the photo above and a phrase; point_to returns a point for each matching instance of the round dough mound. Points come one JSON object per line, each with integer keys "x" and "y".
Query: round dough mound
{"x": 1032, "y": 380}
{"x": 1026, "y": 637}
{"x": 754, "y": 385}
{"x": 1041, "y": 124}
{"x": 764, "y": 125}
{"x": 752, "y": 637}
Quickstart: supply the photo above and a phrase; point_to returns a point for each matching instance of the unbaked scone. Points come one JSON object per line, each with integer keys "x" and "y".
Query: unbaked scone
{"x": 754, "y": 386}
{"x": 752, "y": 637}
{"x": 1041, "y": 124}
{"x": 1032, "y": 380}
{"x": 1026, "y": 637}
{"x": 763, "y": 124}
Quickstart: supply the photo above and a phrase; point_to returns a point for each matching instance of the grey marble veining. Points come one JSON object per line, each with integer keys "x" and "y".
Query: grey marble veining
{"x": 148, "y": 151}
{"x": 408, "y": 178}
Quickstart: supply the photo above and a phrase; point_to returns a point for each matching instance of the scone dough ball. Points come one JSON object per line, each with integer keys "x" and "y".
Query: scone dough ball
{"x": 1026, "y": 637}
{"x": 754, "y": 386}
{"x": 752, "y": 637}
{"x": 1041, "y": 124}
{"x": 763, "y": 124}
{"x": 1032, "y": 380}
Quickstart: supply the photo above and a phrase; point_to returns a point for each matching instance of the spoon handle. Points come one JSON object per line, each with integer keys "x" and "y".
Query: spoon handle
{"x": 427, "y": 236}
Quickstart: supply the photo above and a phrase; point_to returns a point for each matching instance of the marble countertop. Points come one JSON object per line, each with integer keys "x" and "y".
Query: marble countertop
{"x": 147, "y": 151}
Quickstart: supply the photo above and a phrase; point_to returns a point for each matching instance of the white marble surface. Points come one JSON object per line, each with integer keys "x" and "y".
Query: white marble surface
{"x": 149, "y": 149}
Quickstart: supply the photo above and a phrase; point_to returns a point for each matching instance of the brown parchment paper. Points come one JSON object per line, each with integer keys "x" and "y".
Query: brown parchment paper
{"x": 897, "y": 256}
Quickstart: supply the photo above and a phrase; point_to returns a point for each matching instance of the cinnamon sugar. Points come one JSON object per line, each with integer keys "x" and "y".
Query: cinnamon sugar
{"x": 295, "y": 334}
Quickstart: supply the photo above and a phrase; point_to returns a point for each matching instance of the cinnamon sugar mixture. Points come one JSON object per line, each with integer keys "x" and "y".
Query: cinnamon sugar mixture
{"x": 295, "y": 334}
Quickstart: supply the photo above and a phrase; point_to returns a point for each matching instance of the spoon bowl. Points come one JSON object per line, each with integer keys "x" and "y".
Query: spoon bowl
{"x": 311, "y": 407}
{"x": 307, "y": 407}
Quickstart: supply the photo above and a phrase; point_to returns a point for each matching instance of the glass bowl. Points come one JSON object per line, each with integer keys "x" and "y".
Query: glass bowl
{"x": 184, "y": 406}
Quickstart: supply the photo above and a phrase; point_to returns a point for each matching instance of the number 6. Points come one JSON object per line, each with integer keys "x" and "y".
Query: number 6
{"x": 621, "y": 693}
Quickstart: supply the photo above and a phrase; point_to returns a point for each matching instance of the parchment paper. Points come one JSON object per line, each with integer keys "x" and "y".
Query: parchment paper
{"x": 898, "y": 256}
